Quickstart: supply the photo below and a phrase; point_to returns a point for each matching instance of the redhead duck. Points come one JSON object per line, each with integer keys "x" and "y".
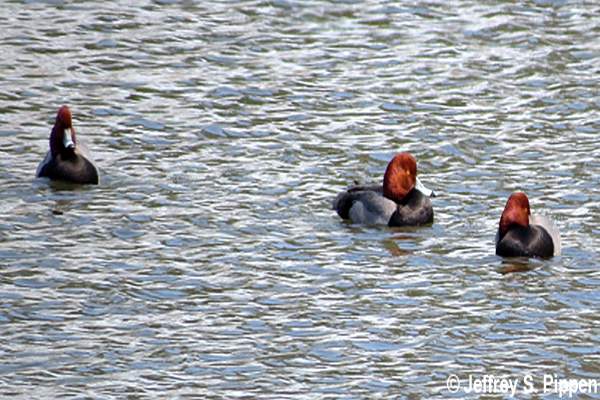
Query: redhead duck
{"x": 68, "y": 159}
{"x": 521, "y": 234}
{"x": 401, "y": 201}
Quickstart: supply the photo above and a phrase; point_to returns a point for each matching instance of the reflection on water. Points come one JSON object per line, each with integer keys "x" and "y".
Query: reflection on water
{"x": 519, "y": 265}
{"x": 209, "y": 263}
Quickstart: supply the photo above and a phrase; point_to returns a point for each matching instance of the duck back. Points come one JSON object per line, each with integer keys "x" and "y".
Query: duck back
{"x": 364, "y": 204}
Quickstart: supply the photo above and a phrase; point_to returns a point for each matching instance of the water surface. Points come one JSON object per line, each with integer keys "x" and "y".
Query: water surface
{"x": 208, "y": 262}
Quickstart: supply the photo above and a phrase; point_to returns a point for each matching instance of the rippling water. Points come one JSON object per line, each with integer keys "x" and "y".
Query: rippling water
{"x": 208, "y": 263}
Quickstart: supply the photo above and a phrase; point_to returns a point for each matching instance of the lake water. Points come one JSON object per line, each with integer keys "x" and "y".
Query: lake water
{"x": 208, "y": 263}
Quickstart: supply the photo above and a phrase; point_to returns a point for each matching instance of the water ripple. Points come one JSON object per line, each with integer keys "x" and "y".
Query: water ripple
{"x": 208, "y": 261}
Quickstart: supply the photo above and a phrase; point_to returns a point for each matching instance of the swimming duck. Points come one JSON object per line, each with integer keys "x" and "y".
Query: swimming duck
{"x": 401, "y": 201}
{"x": 521, "y": 234}
{"x": 68, "y": 159}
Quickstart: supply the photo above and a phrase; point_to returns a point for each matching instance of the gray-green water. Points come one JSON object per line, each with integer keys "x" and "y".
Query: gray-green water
{"x": 208, "y": 263}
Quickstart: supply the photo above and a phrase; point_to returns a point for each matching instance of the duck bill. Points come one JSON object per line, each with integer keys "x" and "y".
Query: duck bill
{"x": 421, "y": 188}
{"x": 68, "y": 139}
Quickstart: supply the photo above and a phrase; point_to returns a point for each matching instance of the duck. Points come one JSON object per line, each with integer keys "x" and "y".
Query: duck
{"x": 68, "y": 158}
{"x": 521, "y": 234}
{"x": 402, "y": 200}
